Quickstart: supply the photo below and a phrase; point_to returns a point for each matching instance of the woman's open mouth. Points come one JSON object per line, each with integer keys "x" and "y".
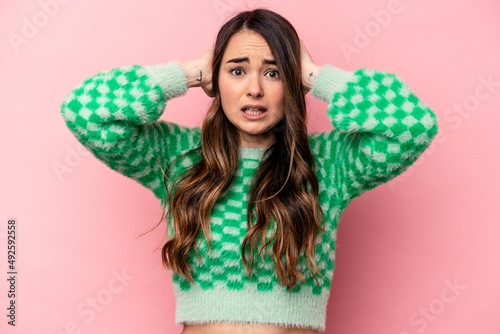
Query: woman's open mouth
{"x": 253, "y": 113}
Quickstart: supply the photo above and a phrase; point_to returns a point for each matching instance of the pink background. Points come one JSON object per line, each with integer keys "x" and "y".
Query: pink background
{"x": 400, "y": 246}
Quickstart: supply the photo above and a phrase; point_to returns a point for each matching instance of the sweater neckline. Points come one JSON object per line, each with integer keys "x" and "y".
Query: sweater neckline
{"x": 251, "y": 152}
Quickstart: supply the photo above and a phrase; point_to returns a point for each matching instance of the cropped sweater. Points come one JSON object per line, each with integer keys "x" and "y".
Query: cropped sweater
{"x": 380, "y": 129}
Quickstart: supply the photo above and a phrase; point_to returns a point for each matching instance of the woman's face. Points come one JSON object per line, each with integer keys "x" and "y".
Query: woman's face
{"x": 250, "y": 88}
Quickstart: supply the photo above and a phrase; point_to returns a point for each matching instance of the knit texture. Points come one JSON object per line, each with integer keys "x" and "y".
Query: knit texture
{"x": 380, "y": 129}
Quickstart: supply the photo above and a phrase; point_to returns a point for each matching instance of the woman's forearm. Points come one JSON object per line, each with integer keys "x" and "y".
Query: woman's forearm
{"x": 197, "y": 72}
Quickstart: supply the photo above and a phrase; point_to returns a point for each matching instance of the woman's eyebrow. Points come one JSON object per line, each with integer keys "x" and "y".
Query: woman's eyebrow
{"x": 245, "y": 59}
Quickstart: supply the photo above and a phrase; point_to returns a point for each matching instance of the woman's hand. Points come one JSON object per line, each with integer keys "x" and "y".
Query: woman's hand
{"x": 309, "y": 69}
{"x": 199, "y": 72}
{"x": 206, "y": 83}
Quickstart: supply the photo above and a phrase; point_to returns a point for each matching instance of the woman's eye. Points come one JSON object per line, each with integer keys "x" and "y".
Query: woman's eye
{"x": 273, "y": 74}
{"x": 236, "y": 71}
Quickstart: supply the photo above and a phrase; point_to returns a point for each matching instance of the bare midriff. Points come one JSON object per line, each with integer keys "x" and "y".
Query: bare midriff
{"x": 243, "y": 328}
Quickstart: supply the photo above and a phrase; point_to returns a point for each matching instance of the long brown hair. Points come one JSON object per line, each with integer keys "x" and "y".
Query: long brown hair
{"x": 284, "y": 190}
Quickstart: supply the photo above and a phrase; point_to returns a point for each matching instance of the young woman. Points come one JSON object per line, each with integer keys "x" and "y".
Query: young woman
{"x": 249, "y": 192}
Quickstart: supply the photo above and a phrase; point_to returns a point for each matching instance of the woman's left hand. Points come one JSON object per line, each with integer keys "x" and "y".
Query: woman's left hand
{"x": 309, "y": 69}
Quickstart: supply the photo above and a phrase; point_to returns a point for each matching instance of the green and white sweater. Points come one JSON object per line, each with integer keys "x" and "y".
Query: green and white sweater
{"x": 380, "y": 129}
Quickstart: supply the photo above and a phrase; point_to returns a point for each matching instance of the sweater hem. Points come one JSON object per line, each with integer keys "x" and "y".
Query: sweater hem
{"x": 331, "y": 80}
{"x": 170, "y": 77}
{"x": 278, "y": 307}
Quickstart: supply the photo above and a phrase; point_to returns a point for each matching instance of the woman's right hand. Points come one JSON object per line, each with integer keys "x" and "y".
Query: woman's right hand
{"x": 199, "y": 72}
{"x": 207, "y": 57}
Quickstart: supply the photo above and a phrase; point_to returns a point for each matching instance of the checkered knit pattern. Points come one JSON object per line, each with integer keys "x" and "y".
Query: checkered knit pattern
{"x": 380, "y": 129}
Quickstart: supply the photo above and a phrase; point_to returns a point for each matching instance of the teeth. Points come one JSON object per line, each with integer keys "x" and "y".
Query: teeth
{"x": 253, "y": 111}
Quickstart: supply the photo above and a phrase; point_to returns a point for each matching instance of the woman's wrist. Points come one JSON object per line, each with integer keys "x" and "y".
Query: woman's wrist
{"x": 309, "y": 75}
{"x": 197, "y": 72}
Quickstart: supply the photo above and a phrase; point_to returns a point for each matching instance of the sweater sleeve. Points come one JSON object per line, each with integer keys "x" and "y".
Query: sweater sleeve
{"x": 114, "y": 114}
{"x": 380, "y": 128}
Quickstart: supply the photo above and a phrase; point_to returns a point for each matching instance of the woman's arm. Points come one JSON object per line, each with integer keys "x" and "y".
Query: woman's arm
{"x": 199, "y": 72}
{"x": 115, "y": 115}
{"x": 380, "y": 127}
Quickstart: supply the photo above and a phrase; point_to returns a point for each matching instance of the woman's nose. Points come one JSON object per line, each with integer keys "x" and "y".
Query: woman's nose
{"x": 254, "y": 87}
